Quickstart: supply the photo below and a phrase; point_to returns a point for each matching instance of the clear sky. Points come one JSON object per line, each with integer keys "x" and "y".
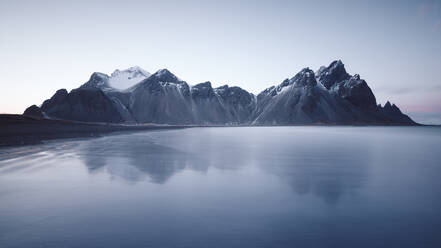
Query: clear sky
{"x": 394, "y": 45}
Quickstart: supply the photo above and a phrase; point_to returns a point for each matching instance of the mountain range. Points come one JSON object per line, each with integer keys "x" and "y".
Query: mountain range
{"x": 327, "y": 96}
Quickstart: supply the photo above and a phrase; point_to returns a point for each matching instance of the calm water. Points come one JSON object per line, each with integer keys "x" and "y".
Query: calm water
{"x": 227, "y": 187}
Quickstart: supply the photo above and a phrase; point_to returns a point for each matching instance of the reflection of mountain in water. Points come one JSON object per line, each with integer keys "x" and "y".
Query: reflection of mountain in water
{"x": 137, "y": 158}
{"x": 318, "y": 165}
{"x": 160, "y": 155}
{"x": 319, "y": 168}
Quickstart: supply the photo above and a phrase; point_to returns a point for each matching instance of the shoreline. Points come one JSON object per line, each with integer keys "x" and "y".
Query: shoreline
{"x": 19, "y": 130}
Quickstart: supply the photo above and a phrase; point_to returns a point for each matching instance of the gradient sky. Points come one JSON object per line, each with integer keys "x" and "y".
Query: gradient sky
{"x": 394, "y": 45}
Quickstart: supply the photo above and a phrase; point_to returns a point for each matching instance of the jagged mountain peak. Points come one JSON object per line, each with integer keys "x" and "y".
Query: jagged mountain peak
{"x": 98, "y": 76}
{"x": 306, "y": 77}
{"x": 307, "y": 71}
{"x": 221, "y": 88}
{"x": 337, "y": 64}
{"x": 235, "y": 95}
{"x": 225, "y": 90}
{"x": 202, "y": 90}
{"x": 98, "y": 80}
{"x": 391, "y": 107}
{"x": 61, "y": 93}
{"x": 203, "y": 85}
{"x": 159, "y": 81}
{"x": 164, "y": 75}
{"x": 333, "y": 74}
{"x": 134, "y": 70}
{"x": 225, "y": 87}
{"x": 356, "y": 77}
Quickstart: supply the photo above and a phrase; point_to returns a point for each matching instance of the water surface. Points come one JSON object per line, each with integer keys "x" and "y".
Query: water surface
{"x": 226, "y": 187}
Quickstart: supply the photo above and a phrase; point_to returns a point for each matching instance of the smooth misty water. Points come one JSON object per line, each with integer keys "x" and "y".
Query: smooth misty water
{"x": 227, "y": 187}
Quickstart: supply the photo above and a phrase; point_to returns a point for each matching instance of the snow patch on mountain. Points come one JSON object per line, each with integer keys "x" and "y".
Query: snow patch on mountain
{"x": 125, "y": 79}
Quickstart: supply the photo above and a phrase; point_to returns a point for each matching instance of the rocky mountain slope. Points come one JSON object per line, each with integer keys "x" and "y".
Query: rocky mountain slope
{"x": 328, "y": 96}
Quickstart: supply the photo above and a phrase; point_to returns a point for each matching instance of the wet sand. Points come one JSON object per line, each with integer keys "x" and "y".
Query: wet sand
{"x": 22, "y": 130}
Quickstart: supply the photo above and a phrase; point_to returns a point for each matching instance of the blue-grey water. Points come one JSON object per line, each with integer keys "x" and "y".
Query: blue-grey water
{"x": 226, "y": 187}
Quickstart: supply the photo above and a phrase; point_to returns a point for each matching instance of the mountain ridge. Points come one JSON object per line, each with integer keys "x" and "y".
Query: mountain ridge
{"x": 328, "y": 96}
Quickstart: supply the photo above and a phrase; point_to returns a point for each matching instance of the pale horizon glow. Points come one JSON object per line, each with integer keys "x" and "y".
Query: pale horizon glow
{"x": 395, "y": 45}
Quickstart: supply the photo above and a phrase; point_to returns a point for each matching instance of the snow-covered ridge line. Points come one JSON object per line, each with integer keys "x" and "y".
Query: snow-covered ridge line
{"x": 119, "y": 80}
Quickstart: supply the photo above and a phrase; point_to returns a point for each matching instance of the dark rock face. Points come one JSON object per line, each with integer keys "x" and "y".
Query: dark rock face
{"x": 174, "y": 102}
{"x": 82, "y": 105}
{"x": 161, "y": 98}
{"x": 357, "y": 92}
{"x": 202, "y": 90}
{"x": 238, "y": 102}
{"x": 330, "y": 96}
{"x": 34, "y": 111}
{"x": 332, "y": 74}
{"x": 206, "y": 105}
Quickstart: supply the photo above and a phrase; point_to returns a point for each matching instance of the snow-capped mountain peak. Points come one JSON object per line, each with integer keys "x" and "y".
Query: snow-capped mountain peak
{"x": 127, "y": 78}
{"x": 132, "y": 70}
